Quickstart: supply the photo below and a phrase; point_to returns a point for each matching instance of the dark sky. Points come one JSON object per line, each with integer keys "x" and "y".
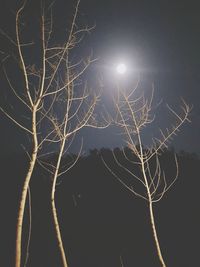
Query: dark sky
{"x": 160, "y": 39}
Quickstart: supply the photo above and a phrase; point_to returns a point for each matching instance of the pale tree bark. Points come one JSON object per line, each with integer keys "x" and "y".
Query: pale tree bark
{"x": 44, "y": 86}
{"x": 24, "y": 194}
{"x": 133, "y": 115}
{"x": 78, "y": 113}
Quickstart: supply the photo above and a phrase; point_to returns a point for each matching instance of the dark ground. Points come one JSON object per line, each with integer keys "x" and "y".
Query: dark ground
{"x": 101, "y": 220}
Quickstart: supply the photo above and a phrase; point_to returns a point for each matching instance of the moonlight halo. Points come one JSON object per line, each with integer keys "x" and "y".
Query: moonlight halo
{"x": 121, "y": 68}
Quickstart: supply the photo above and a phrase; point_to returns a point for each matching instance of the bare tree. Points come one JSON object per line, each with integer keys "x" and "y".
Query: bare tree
{"x": 56, "y": 99}
{"x": 134, "y": 113}
{"x": 78, "y": 112}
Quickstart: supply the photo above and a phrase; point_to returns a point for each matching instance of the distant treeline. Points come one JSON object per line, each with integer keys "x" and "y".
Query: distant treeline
{"x": 102, "y": 221}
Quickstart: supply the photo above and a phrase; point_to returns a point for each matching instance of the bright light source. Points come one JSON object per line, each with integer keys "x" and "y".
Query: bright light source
{"x": 121, "y": 68}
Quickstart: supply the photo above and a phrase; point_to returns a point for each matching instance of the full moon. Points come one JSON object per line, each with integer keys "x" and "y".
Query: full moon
{"x": 121, "y": 68}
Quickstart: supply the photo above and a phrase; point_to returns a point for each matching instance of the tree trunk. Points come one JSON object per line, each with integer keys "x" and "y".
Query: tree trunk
{"x": 24, "y": 193}
{"x": 156, "y": 236}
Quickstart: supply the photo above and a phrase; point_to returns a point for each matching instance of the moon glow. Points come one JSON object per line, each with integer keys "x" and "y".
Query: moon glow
{"x": 121, "y": 68}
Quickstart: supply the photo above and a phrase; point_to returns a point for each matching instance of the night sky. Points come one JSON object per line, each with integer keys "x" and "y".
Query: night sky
{"x": 160, "y": 40}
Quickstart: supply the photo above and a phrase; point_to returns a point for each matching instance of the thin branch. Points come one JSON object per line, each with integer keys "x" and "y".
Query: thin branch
{"x": 15, "y": 121}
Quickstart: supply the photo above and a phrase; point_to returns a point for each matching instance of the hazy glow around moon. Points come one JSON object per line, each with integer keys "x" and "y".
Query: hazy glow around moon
{"x": 121, "y": 68}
